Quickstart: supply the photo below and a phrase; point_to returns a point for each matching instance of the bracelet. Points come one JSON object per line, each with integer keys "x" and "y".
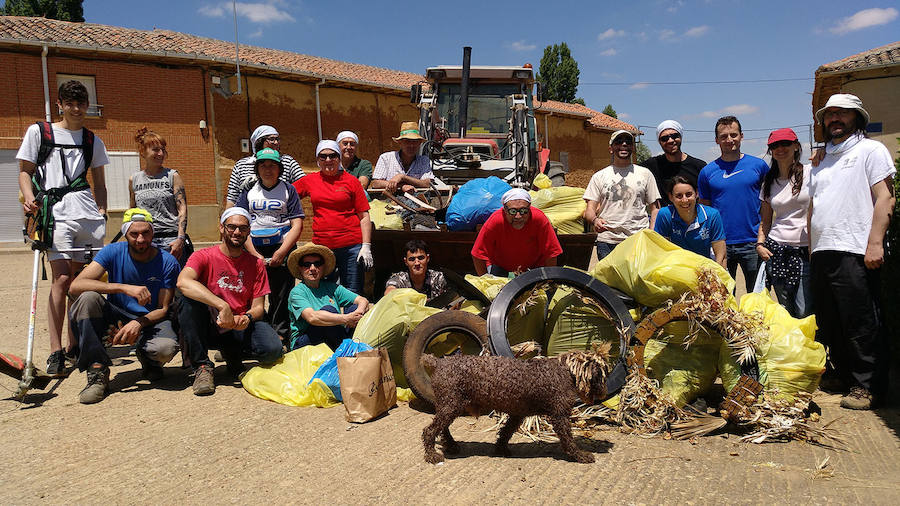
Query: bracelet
{"x": 182, "y": 237}
{"x": 760, "y": 244}
{"x": 249, "y": 316}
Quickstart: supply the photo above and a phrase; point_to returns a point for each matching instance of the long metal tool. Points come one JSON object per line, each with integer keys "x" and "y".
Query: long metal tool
{"x": 28, "y": 371}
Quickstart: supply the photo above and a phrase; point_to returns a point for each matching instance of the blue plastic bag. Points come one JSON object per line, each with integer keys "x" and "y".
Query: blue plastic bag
{"x": 474, "y": 202}
{"x": 328, "y": 373}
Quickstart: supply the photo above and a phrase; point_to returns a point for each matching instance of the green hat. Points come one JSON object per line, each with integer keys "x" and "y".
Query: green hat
{"x": 268, "y": 154}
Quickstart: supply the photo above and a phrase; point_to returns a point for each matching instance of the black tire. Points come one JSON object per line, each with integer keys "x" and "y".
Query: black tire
{"x": 497, "y": 314}
{"x": 472, "y": 326}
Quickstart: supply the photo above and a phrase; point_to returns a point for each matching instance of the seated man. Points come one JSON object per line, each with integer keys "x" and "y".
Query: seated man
{"x": 405, "y": 169}
{"x": 224, "y": 289}
{"x": 321, "y": 311}
{"x": 418, "y": 276}
{"x": 141, "y": 282}
{"x": 515, "y": 238}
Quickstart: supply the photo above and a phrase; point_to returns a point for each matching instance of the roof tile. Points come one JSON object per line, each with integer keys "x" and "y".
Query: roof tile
{"x": 885, "y": 55}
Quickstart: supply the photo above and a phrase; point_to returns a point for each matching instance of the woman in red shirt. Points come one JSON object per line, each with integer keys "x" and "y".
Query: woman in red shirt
{"x": 340, "y": 215}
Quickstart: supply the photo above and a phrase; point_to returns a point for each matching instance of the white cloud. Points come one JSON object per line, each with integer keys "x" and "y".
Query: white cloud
{"x": 666, "y": 34}
{"x": 521, "y": 45}
{"x": 611, "y": 33}
{"x": 258, "y": 12}
{"x": 638, "y": 86}
{"x": 865, "y": 19}
{"x": 675, "y": 6}
{"x": 212, "y": 11}
{"x": 623, "y": 115}
{"x": 257, "y": 34}
{"x": 697, "y": 31}
{"x": 609, "y": 52}
{"x": 733, "y": 110}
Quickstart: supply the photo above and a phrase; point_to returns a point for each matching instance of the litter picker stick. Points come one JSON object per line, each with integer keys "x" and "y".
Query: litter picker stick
{"x": 28, "y": 372}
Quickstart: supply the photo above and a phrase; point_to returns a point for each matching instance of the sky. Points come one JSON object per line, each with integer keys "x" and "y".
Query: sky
{"x": 626, "y": 51}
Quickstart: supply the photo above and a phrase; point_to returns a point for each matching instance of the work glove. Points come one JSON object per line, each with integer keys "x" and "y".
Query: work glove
{"x": 365, "y": 256}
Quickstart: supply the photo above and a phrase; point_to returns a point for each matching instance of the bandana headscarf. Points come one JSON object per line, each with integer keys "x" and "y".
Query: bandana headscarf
{"x": 515, "y": 194}
{"x": 231, "y": 211}
{"x": 260, "y": 132}
{"x": 345, "y": 134}
{"x": 669, "y": 124}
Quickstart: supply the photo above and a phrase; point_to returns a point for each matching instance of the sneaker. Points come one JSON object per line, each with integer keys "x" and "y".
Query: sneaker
{"x": 97, "y": 385}
{"x": 150, "y": 369}
{"x": 56, "y": 364}
{"x": 203, "y": 381}
{"x": 858, "y": 398}
{"x": 217, "y": 357}
{"x": 72, "y": 357}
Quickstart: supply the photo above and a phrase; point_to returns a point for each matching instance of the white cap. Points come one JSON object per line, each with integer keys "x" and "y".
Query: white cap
{"x": 669, "y": 124}
{"x": 515, "y": 194}
{"x": 844, "y": 101}
{"x": 345, "y": 134}
{"x": 231, "y": 211}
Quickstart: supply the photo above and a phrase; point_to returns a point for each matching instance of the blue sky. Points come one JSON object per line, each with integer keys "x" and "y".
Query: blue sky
{"x": 620, "y": 47}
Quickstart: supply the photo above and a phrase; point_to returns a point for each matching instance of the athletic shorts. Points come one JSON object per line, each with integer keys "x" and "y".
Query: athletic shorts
{"x": 76, "y": 234}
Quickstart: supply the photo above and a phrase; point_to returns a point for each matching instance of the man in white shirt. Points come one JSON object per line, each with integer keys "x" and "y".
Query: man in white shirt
{"x": 852, "y": 201}
{"x": 405, "y": 169}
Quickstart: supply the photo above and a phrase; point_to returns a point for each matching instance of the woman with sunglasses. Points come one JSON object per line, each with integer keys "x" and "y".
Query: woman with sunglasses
{"x": 689, "y": 224}
{"x": 340, "y": 215}
{"x": 783, "y": 240}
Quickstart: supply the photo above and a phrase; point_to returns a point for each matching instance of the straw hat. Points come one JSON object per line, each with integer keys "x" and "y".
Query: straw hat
{"x": 409, "y": 130}
{"x": 293, "y": 261}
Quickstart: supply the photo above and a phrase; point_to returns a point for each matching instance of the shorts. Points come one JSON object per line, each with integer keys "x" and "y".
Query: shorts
{"x": 71, "y": 235}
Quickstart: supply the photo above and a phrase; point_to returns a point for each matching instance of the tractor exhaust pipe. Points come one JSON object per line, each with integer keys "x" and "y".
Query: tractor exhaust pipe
{"x": 464, "y": 91}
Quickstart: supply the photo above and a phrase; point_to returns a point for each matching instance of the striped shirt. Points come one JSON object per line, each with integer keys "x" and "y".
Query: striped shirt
{"x": 246, "y": 167}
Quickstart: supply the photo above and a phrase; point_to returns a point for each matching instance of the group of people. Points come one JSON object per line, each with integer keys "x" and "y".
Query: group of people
{"x": 166, "y": 298}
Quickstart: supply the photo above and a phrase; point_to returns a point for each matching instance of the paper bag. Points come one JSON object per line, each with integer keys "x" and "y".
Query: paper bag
{"x": 367, "y": 384}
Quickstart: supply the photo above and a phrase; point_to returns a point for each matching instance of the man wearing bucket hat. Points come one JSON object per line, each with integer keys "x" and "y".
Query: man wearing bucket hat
{"x": 852, "y": 203}
{"x": 673, "y": 161}
{"x": 244, "y": 171}
{"x": 321, "y": 311}
{"x": 224, "y": 290}
{"x": 355, "y": 166}
{"x": 405, "y": 169}
{"x": 515, "y": 238}
{"x": 139, "y": 287}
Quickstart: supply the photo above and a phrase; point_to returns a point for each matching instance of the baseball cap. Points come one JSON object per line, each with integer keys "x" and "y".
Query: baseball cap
{"x": 782, "y": 134}
{"x": 618, "y": 133}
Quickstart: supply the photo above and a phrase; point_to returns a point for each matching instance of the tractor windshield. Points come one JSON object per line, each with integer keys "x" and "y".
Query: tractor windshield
{"x": 489, "y": 108}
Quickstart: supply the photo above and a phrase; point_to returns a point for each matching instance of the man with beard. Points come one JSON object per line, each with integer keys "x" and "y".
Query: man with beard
{"x": 224, "y": 289}
{"x": 619, "y": 197}
{"x": 672, "y": 162}
{"x": 418, "y": 276}
{"x": 140, "y": 285}
{"x": 852, "y": 200}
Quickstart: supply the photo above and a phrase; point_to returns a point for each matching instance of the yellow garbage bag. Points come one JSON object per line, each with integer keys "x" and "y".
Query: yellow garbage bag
{"x": 683, "y": 373}
{"x": 574, "y": 325}
{"x": 285, "y": 381}
{"x": 564, "y": 207}
{"x": 791, "y": 360}
{"x": 652, "y": 270}
{"x": 380, "y": 218}
{"x": 542, "y": 181}
{"x": 525, "y": 320}
{"x": 388, "y": 323}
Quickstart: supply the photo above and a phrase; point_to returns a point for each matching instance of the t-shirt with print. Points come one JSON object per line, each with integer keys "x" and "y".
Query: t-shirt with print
{"x": 156, "y": 194}
{"x": 159, "y": 273}
{"x": 245, "y": 169}
{"x": 664, "y": 170}
{"x": 733, "y": 189}
{"x": 78, "y": 205}
{"x": 303, "y": 297}
{"x": 498, "y": 243}
{"x": 622, "y": 196}
{"x": 360, "y": 168}
{"x": 433, "y": 286}
{"x": 789, "y": 222}
{"x": 841, "y": 192}
{"x": 271, "y": 209}
{"x": 697, "y": 236}
{"x": 389, "y": 165}
{"x": 336, "y": 202}
{"x": 237, "y": 281}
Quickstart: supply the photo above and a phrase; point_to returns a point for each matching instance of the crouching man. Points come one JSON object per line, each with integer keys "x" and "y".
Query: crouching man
{"x": 140, "y": 286}
{"x": 224, "y": 287}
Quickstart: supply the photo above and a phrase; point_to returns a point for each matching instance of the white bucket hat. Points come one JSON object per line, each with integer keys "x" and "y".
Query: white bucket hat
{"x": 844, "y": 101}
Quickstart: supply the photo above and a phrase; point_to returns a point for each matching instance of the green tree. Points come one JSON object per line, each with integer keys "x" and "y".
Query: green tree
{"x": 641, "y": 151}
{"x": 890, "y": 275}
{"x": 63, "y": 10}
{"x": 609, "y": 111}
{"x": 558, "y": 74}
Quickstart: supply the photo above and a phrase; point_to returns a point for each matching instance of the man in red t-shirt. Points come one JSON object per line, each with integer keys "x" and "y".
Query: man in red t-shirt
{"x": 223, "y": 291}
{"x": 515, "y": 238}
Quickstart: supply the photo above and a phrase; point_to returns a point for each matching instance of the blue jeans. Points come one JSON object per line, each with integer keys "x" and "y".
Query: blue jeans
{"x": 603, "y": 249}
{"x": 351, "y": 273}
{"x": 333, "y": 336}
{"x": 798, "y": 299}
{"x": 743, "y": 254}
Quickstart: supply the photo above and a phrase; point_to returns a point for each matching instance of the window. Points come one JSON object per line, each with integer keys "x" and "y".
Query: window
{"x": 122, "y": 164}
{"x": 94, "y": 108}
{"x": 10, "y": 209}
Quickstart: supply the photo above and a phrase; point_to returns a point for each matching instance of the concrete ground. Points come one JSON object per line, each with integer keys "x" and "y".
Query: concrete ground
{"x": 160, "y": 444}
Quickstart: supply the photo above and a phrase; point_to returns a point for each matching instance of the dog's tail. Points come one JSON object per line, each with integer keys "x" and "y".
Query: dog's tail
{"x": 429, "y": 362}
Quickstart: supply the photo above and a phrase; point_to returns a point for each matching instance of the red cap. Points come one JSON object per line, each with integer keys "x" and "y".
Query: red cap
{"x": 782, "y": 134}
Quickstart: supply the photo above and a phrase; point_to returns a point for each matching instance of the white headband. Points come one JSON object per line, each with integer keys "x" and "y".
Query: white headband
{"x": 515, "y": 194}
{"x": 127, "y": 224}
{"x": 345, "y": 134}
{"x": 231, "y": 211}
{"x": 260, "y": 132}
{"x": 669, "y": 124}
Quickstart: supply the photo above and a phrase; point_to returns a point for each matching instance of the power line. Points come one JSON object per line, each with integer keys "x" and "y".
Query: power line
{"x": 805, "y": 125}
{"x": 676, "y": 83}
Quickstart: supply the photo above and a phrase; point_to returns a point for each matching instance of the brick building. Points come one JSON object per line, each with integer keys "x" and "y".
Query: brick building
{"x": 176, "y": 83}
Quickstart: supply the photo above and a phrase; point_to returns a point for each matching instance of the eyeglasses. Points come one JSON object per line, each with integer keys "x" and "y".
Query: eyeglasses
{"x": 329, "y": 156}
{"x": 674, "y": 137}
{"x": 512, "y": 211}
{"x": 627, "y": 142}
{"x": 273, "y": 138}
{"x": 317, "y": 263}
{"x": 230, "y": 227}
{"x": 413, "y": 259}
{"x": 781, "y": 144}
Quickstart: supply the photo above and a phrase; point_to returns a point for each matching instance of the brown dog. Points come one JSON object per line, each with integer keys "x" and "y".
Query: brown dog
{"x": 467, "y": 384}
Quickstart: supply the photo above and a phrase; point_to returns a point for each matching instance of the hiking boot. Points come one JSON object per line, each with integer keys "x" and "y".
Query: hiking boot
{"x": 203, "y": 381}
{"x": 97, "y": 384}
{"x": 56, "y": 364}
{"x": 150, "y": 369}
{"x": 217, "y": 356}
{"x": 858, "y": 398}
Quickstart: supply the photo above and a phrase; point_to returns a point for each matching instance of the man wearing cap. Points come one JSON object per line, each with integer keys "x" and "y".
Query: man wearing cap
{"x": 321, "y": 311}
{"x": 515, "y": 238}
{"x": 620, "y": 196}
{"x": 852, "y": 200}
{"x": 139, "y": 287}
{"x": 405, "y": 169}
{"x": 673, "y": 161}
{"x": 224, "y": 289}
{"x": 358, "y": 168}
{"x": 243, "y": 175}
{"x": 731, "y": 184}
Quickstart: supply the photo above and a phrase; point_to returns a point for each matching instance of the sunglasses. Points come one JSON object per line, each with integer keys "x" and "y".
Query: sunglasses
{"x": 273, "y": 138}
{"x": 674, "y": 137}
{"x": 781, "y": 144}
{"x": 231, "y": 228}
{"x": 413, "y": 259}
{"x": 513, "y": 211}
{"x": 317, "y": 263}
{"x": 329, "y": 156}
{"x": 627, "y": 142}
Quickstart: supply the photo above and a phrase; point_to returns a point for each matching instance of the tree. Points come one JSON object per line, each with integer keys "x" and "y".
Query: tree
{"x": 558, "y": 74}
{"x": 609, "y": 111}
{"x": 641, "y": 151}
{"x": 63, "y": 10}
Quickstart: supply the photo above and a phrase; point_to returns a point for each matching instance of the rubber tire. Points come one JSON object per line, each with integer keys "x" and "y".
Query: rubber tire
{"x": 570, "y": 277}
{"x": 464, "y": 322}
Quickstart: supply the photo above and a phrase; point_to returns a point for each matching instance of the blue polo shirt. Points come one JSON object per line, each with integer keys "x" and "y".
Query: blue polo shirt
{"x": 733, "y": 189}
{"x": 697, "y": 236}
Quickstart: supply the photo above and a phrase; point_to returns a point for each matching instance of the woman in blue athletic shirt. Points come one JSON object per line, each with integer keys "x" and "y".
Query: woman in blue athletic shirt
{"x": 692, "y": 226}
